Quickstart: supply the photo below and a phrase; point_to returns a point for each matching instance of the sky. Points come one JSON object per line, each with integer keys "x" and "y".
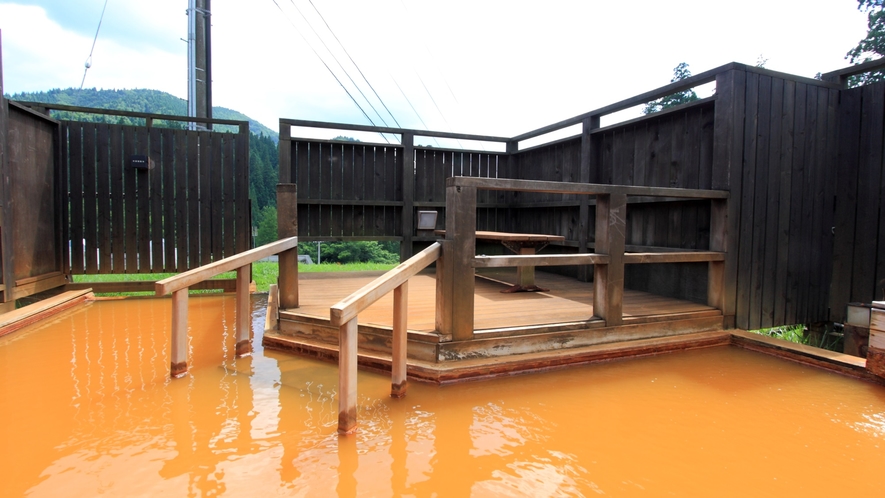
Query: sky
{"x": 497, "y": 68}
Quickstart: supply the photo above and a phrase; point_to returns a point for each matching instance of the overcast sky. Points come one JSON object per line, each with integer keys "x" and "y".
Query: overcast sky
{"x": 472, "y": 66}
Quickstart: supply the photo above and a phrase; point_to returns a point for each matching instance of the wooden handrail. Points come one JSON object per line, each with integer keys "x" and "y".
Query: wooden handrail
{"x": 581, "y": 188}
{"x": 344, "y": 316}
{"x": 178, "y": 285}
{"x": 191, "y": 277}
{"x": 518, "y": 260}
{"x": 349, "y": 307}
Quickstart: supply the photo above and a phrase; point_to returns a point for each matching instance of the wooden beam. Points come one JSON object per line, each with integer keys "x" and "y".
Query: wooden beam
{"x": 398, "y": 373}
{"x": 673, "y": 257}
{"x": 540, "y": 260}
{"x": 7, "y": 277}
{"x": 588, "y": 155}
{"x": 444, "y": 279}
{"x": 384, "y": 129}
{"x": 716, "y": 291}
{"x": 347, "y": 370}
{"x": 580, "y": 188}
{"x": 206, "y": 272}
{"x": 608, "y": 280}
{"x": 222, "y": 284}
{"x": 244, "y": 316}
{"x": 349, "y": 307}
{"x": 178, "y": 353}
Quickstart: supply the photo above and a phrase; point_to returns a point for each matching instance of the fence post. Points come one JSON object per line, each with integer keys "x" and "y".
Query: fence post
{"x": 399, "y": 375}
{"x": 178, "y": 366}
{"x": 608, "y": 280}
{"x": 408, "y": 213}
{"x": 587, "y": 154}
{"x": 244, "y": 317}
{"x": 347, "y": 359}
{"x": 461, "y": 231}
{"x": 718, "y": 242}
{"x": 287, "y": 226}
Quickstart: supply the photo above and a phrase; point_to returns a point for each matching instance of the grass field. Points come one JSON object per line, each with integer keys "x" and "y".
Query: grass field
{"x": 263, "y": 273}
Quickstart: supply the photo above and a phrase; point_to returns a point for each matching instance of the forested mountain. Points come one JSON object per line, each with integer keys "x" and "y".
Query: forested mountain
{"x": 263, "y": 157}
{"x": 138, "y": 100}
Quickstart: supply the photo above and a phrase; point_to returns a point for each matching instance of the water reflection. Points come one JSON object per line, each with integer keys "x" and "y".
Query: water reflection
{"x": 89, "y": 409}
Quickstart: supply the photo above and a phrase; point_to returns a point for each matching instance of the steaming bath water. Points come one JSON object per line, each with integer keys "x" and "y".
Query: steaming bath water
{"x": 87, "y": 409}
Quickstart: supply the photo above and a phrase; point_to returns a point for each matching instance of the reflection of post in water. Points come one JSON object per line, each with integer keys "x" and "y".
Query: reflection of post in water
{"x": 398, "y": 446}
{"x": 452, "y": 443}
{"x": 348, "y": 463}
{"x": 208, "y": 410}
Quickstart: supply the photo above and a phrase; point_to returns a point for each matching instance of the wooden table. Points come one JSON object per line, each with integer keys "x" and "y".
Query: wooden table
{"x": 523, "y": 244}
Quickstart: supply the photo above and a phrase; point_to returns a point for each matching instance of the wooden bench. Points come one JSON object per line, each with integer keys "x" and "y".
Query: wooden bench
{"x": 523, "y": 244}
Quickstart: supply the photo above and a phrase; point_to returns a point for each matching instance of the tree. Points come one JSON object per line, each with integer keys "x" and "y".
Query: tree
{"x": 680, "y": 73}
{"x": 267, "y": 226}
{"x": 356, "y": 252}
{"x": 873, "y": 45}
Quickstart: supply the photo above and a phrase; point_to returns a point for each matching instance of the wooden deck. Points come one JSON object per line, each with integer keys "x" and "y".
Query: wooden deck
{"x": 568, "y": 301}
{"x": 514, "y": 332}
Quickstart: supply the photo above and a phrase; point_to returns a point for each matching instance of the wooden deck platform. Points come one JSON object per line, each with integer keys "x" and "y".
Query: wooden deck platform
{"x": 516, "y": 332}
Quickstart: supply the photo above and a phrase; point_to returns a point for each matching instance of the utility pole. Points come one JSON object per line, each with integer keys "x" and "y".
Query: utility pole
{"x": 199, "y": 60}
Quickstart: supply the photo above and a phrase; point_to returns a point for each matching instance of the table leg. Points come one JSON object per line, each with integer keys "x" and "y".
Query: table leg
{"x": 525, "y": 275}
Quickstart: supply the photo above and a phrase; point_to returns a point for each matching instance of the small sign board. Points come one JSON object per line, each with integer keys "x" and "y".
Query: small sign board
{"x": 138, "y": 161}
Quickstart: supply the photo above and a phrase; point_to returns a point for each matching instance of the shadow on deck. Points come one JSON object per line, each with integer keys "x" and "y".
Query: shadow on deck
{"x": 514, "y": 332}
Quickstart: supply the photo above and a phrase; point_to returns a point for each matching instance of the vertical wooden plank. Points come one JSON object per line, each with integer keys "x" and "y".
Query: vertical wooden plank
{"x": 284, "y": 150}
{"x": 90, "y": 206}
{"x": 75, "y": 137}
{"x": 118, "y": 200}
{"x": 772, "y": 210}
{"x": 156, "y": 200}
{"x": 193, "y": 199}
{"x": 807, "y": 228}
{"x": 182, "y": 192}
{"x": 785, "y": 198}
{"x": 757, "y": 254}
{"x": 408, "y": 196}
{"x": 846, "y": 207}
{"x": 130, "y": 199}
{"x": 588, "y": 153}
{"x": 347, "y": 365}
{"x": 7, "y": 273}
{"x": 745, "y": 251}
{"x": 444, "y": 281}
{"x": 829, "y": 173}
{"x": 244, "y": 316}
{"x": 103, "y": 192}
{"x": 821, "y": 228}
{"x": 229, "y": 181}
{"x": 178, "y": 351}
{"x": 461, "y": 231}
{"x": 398, "y": 382}
{"x": 608, "y": 280}
{"x": 216, "y": 198}
{"x": 797, "y": 200}
{"x": 718, "y": 242}
{"x": 143, "y": 187}
{"x": 207, "y": 161}
{"x": 169, "y": 200}
{"x": 243, "y": 212}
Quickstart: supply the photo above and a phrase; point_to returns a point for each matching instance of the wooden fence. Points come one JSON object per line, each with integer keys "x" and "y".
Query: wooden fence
{"x": 187, "y": 206}
{"x": 801, "y": 159}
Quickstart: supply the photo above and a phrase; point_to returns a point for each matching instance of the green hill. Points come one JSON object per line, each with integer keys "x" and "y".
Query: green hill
{"x": 138, "y": 100}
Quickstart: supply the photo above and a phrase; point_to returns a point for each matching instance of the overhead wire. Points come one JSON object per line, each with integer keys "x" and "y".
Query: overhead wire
{"x": 413, "y": 107}
{"x": 339, "y": 62}
{"x": 88, "y": 63}
{"x": 327, "y": 66}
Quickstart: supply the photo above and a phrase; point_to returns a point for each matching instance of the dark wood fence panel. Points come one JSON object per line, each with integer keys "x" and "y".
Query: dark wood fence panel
{"x": 191, "y": 208}
{"x": 858, "y": 272}
{"x": 35, "y": 217}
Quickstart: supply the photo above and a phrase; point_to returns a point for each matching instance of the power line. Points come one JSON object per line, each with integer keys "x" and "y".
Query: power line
{"x": 88, "y": 63}
{"x": 354, "y": 63}
{"x": 326, "y": 65}
{"x": 339, "y": 63}
{"x": 412, "y": 106}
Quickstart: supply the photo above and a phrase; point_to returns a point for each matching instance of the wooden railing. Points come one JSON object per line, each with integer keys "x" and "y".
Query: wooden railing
{"x": 455, "y": 297}
{"x": 344, "y": 316}
{"x": 178, "y": 285}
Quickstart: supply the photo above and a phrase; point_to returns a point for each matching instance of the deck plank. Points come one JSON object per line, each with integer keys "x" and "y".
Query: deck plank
{"x": 568, "y": 301}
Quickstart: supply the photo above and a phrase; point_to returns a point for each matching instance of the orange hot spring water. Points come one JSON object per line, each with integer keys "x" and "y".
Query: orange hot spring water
{"x": 86, "y": 409}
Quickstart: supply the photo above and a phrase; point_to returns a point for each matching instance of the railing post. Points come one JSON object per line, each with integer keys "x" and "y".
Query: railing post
{"x": 461, "y": 232}
{"x": 608, "y": 280}
{"x": 347, "y": 367}
{"x": 244, "y": 317}
{"x": 398, "y": 371}
{"x": 444, "y": 279}
{"x": 179, "y": 334}
{"x": 287, "y": 226}
{"x": 718, "y": 242}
